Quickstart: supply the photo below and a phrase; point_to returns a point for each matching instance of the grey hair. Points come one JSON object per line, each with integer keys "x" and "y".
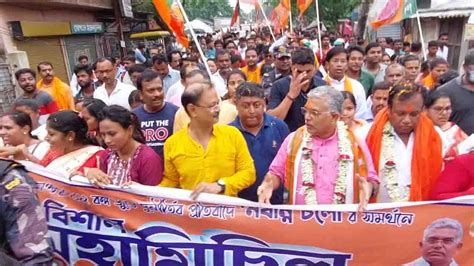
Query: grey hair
{"x": 445, "y": 223}
{"x": 395, "y": 65}
{"x": 332, "y": 96}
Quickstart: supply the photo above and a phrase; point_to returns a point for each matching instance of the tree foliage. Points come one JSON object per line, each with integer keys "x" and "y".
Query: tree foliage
{"x": 207, "y": 9}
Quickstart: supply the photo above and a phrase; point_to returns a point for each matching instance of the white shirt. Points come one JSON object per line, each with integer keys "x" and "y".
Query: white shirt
{"x": 219, "y": 84}
{"x": 40, "y": 132}
{"x": 118, "y": 96}
{"x": 443, "y": 52}
{"x": 43, "y": 119}
{"x": 422, "y": 262}
{"x": 242, "y": 51}
{"x": 74, "y": 85}
{"x": 389, "y": 51}
{"x": 359, "y": 95}
{"x": 402, "y": 159}
{"x": 175, "y": 89}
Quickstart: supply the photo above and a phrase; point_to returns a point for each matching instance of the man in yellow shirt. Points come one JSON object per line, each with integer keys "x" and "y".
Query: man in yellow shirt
{"x": 206, "y": 157}
{"x": 253, "y": 69}
{"x": 59, "y": 90}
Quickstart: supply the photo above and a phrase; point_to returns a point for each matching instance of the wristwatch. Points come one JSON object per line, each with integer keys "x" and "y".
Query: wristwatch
{"x": 221, "y": 183}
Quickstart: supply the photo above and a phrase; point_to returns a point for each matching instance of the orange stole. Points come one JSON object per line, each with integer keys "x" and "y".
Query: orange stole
{"x": 347, "y": 83}
{"x": 427, "y": 154}
{"x": 359, "y": 167}
{"x": 60, "y": 93}
{"x": 428, "y": 82}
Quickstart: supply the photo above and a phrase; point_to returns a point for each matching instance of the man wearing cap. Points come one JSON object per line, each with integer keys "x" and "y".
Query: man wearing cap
{"x": 282, "y": 69}
{"x": 339, "y": 42}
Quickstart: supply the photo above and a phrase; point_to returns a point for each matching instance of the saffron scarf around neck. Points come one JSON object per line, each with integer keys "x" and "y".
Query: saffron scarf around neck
{"x": 347, "y": 83}
{"x": 427, "y": 159}
{"x": 359, "y": 164}
{"x": 58, "y": 93}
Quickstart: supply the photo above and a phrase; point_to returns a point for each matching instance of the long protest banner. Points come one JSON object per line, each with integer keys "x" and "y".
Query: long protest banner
{"x": 158, "y": 226}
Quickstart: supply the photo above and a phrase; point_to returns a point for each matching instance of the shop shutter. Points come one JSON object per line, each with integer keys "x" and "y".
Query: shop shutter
{"x": 45, "y": 49}
{"x": 77, "y": 45}
{"x": 392, "y": 30}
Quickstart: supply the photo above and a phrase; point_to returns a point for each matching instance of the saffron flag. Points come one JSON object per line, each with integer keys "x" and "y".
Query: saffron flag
{"x": 148, "y": 225}
{"x": 235, "y": 17}
{"x": 280, "y": 15}
{"x": 171, "y": 15}
{"x": 303, "y": 5}
{"x": 395, "y": 11}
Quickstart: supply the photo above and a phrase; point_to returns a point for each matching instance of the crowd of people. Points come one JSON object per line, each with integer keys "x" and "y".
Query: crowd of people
{"x": 281, "y": 121}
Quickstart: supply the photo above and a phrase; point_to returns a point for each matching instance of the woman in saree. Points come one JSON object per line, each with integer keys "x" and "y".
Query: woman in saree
{"x": 71, "y": 150}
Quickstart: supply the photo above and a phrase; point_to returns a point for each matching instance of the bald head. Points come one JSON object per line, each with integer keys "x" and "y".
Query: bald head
{"x": 194, "y": 92}
{"x": 394, "y": 74}
{"x": 202, "y": 104}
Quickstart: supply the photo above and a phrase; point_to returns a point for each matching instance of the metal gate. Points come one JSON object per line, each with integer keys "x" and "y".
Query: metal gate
{"x": 7, "y": 89}
{"x": 77, "y": 45}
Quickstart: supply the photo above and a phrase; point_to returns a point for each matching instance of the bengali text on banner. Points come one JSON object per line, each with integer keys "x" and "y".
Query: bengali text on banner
{"x": 159, "y": 226}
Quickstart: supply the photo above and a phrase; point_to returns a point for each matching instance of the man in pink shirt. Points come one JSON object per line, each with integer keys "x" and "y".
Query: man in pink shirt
{"x": 322, "y": 162}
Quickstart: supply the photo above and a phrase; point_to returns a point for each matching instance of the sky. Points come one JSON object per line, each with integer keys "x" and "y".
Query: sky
{"x": 244, "y": 7}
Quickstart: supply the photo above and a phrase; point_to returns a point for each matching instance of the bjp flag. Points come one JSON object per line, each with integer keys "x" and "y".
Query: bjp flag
{"x": 394, "y": 11}
{"x": 303, "y": 5}
{"x": 171, "y": 15}
{"x": 286, "y": 4}
{"x": 280, "y": 15}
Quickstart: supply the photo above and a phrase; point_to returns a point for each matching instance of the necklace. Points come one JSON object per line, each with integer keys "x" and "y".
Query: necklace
{"x": 346, "y": 157}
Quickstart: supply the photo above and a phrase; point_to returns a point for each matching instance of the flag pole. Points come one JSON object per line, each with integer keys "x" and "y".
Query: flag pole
{"x": 266, "y": 20}
{"x": 421, "y": 34}
{"x": 291, "y": 20}
{"x": 203, "y": 58}
{"x": 319, "y": 31}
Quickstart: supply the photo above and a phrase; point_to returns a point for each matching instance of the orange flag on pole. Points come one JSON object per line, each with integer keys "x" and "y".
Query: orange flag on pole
{"x": 235, "y": 17}
{"x": 303, "y": 5}
{"x": 394, "y": 11}
{"x": 171, "y": 15}
{"x": 285, "y": 3}
{"x": 280, "y": 14}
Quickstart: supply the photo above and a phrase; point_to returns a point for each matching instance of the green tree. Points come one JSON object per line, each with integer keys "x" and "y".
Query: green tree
{"x": 207, "y": 9}
{"x": 143, "y": 6}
